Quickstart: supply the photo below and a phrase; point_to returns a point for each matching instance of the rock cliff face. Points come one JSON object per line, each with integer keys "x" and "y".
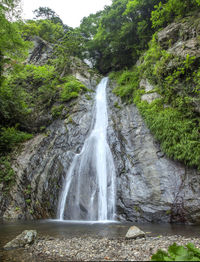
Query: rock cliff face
{"x": 40, "y": 52}
{"x": 150, "y": 187}
{"x": 41, "y": 166}
{"x": 181, "y": 38}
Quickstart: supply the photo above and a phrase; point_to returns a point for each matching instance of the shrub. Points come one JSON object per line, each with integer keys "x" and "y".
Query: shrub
{"x": 71, "y": 89}
{"x": 127, "y": 83}
{"x": 178, "y": 135}
{"x": 7, "y": 174}
{"x": 56, "y": 111}
{"x": 165, "y": 13}
{"x": 178, "y": 253}
{"x": 10, "y": 137}
{"x": 176, "y": 126}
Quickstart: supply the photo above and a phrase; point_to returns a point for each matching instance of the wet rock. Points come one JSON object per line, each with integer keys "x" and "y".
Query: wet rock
{"x": 134, "y": 232}
{"x": 42, "y": 165}
{"x": 150, "y": 186}
{"x": 27, "y": 237}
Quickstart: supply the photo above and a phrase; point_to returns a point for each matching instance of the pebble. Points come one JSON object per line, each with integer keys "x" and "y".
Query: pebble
{"x": 104, "y": 249}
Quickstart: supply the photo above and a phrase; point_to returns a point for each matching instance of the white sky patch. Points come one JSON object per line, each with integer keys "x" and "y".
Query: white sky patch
{"x": 70, "y": 11}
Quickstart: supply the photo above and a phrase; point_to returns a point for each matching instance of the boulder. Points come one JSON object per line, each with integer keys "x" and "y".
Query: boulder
{"x": 134, "y": 232}
{"x": 27, "y": 237}
{"x": 150, "y": 97}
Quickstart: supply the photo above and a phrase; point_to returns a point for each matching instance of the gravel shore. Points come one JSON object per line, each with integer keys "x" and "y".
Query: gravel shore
{"x": 104, "y": 249}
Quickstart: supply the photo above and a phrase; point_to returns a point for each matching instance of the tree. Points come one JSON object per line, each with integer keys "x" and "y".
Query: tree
{"x": 112, "y": 52}
{"x": 166, "y": 11}
{"x": 124, "y": 31}
{"x": 68, "y": 46}
{"x": 12, "y": 46}
{"x": 9, "y": 5}
{"x": 47, "y": 13}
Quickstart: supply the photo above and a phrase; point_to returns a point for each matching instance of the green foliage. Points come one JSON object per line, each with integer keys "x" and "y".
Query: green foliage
{"x": 28, "y": 201}
{"x": 47, "y": 13}
{"x": 116, "y": 105}
{"x": 178, "y": 135}
{"x": 175, "y": 126}
{"x": 178, "y": 253}
{"x": 7, "y": 174}
{"x": 50, "y": 27}
{"x": 46, "y": 29}
{"x": 41, "y": 81}
{"x": 71, "y": 89}
{"x": 10, "y": 7}
{"x": 166, "y": 12}
{"x": 27, "y": 191}
{"x": 127, "y": 83}
{"x": 177, "y": 79}
{"x": 117, "y": 35}
{"x": 56, "y": 111}
{"x": 70, "y": 45}
{"x": 34, "y": 75}
{"x": 88, "y": 97}
{"x": 25, "y": 89}
{"x": 13, "y": 106}
{"x": 12, "y": 46}
{"x": 10, "y": 137}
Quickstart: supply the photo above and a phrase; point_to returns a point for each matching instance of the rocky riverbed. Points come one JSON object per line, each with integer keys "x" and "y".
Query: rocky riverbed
{"x": 103, "y": 249}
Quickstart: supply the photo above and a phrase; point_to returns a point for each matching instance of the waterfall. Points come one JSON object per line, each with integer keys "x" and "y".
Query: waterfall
{"x": 89, "y": 190}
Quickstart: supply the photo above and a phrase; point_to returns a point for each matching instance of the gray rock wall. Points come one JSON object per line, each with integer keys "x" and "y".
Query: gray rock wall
{"x": 150, "y": 187}
{"x": 42, "y": 164}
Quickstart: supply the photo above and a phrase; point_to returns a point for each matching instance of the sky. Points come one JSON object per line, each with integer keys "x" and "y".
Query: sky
{"x": 70, "y": 11}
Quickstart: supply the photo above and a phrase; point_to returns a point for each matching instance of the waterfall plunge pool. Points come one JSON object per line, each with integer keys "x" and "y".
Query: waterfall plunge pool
{"x": 69, "y": 229}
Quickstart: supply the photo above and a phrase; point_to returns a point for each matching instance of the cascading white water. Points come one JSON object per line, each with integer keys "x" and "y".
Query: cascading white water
{"x": 89, "y": 188}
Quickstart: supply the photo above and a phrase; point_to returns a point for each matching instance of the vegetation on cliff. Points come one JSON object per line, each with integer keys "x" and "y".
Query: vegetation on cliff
{"x": 173, "y": 118}
{"x": 112, "y": 40}
{"x": 29, "y": 91}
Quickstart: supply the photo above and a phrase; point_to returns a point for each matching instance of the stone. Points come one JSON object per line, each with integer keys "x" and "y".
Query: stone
{"x": 134, "y": 232}
{"x": 144, "y": 83}
{"x": 27, "y": 237}
{"x": 150, "y": 97}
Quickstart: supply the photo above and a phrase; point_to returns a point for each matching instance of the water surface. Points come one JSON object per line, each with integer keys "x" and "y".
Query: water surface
{"x": 54, "y": 228}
